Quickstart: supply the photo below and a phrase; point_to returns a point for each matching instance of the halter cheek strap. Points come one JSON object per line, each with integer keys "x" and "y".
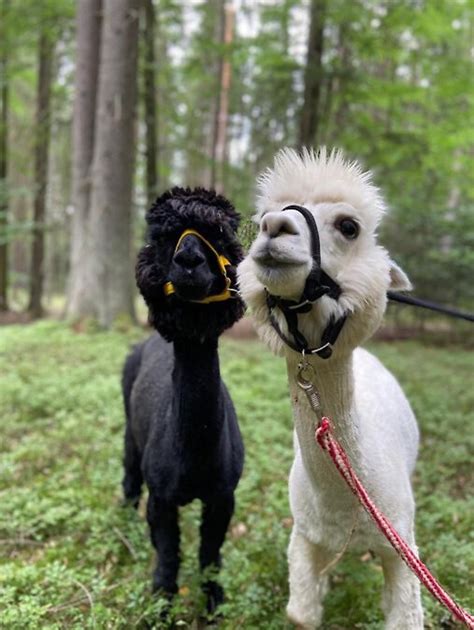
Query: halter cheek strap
{"x": 317, "y": 284}
{"x": 223, "y": 263}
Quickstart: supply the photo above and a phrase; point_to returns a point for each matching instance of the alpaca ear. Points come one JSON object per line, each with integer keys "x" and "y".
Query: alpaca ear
{"x": 399, "y": 280}
{"x": 145, "y": 273}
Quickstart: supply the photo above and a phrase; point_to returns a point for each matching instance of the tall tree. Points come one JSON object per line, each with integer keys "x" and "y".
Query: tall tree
{"x": 309, "y": 117}
{"x": 88, "y": 27}
{"x": 149, "y": 96}
{"x": 221, "y": 115}
{"x": 3, "y": 157}
{"x": 218, "y": 28}
{"x": 168, "y": 31}
{"x": 272, "y": 105}
{"x": 201, "y": 95}
{"x": 113, "y": 164}
{"x": 43, "y": 115}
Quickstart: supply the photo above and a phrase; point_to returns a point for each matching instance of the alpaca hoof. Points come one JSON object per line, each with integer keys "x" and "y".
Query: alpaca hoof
{"x": 214, "y": 596}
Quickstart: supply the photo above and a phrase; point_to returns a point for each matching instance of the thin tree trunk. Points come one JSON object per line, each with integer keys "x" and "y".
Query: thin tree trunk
{"x": 219, "y": 26}
{"x": 220, "y": 150}
{"x": 3, "y": 162}
{"x": 163, "y": 97}
{"x": 150, "y": 102}
{"x": 338, "y": 118}
{"x": 113, "y": 164}
{"x": 88, "y": 25}
{"x": 43, "y": 114}
{"x": 309, "y": 118}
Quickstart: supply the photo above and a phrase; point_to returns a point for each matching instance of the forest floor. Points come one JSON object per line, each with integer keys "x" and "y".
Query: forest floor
{"x": 71, "y": 557}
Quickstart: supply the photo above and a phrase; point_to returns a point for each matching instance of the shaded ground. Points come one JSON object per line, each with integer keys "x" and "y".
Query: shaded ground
{"x": 7, "y": 318}
{"x": 70, "y": 557}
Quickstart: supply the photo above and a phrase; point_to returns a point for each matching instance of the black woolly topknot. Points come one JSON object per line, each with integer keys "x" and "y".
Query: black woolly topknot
{"x": 196, "y": 206}
{"x": 213, "y": 216}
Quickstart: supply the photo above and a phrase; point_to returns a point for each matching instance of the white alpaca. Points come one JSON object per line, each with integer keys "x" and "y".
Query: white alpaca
{"x": 371, "y": 415}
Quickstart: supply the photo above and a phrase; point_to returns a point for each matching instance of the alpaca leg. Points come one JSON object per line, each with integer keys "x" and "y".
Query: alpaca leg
{"x": 164, "y": 531}
{"x": 401, "y": 599}
{"x": 133, "y": 478}
{"x": 307, "y": 586}
{"x": 216, "y": 516}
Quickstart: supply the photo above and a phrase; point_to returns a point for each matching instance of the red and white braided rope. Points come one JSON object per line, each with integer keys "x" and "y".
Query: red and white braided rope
{"x": 328, "y": 443}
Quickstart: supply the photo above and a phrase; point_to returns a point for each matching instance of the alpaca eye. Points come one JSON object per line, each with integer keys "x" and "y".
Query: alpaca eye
{"x": 348, "y": 228}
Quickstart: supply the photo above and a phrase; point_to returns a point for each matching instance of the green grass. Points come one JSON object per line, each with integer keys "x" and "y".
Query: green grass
{"x": 71, "y": 557}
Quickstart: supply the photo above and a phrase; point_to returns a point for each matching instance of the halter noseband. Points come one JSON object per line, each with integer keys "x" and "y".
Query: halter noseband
{"x": 222, "y": 262}
{"x": 317, "y": 284}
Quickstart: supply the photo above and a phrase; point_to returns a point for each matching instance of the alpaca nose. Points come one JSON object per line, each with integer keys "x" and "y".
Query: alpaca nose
{"x": 275, "y": 224}
{"x": 188, "y": 258}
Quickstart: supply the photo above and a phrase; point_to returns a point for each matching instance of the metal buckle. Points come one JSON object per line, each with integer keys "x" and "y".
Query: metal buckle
{"x": 304, "y": 374}
{"x": 303, "y": 379}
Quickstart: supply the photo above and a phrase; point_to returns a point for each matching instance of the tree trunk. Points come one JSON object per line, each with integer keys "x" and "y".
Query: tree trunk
{"x": 3, "y": 162}
{"x": 219, "y": 152}
{"x": 218, "y": 7}
{"x": 45, "y": 59}
{"x": 88, "y": 24}
{"x": 309, "y": 117}
{"x": 164, "y": 97}
{"x": 338, "y": 119}
{"x": 113, "y": 164}
{"x": 150, "y": 102}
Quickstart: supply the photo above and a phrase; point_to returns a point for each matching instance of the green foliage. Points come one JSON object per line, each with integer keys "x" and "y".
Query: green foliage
{"x": 73, "y": 558}
{"x": 401, "y": 104}
{"x": 396, "y": 93}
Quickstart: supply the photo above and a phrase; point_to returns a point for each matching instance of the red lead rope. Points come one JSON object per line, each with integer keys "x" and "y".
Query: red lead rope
{"x": 328, "y": 443}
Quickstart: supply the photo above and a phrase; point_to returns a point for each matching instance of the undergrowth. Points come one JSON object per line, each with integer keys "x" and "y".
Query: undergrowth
{"x": 71, "y": 557}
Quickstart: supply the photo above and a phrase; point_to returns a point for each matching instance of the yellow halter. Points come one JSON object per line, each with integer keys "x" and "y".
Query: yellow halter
{"x": 222, "y": 261}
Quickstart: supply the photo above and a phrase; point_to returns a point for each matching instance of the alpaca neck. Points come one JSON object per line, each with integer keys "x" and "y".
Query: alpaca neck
{"x": 334, "y": 382}
{"x": 197, "y": 391}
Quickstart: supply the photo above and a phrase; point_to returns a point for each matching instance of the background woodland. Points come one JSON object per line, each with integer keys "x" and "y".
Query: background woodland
{"x": 103, "y": 105}
{"x": 106, "y": 103}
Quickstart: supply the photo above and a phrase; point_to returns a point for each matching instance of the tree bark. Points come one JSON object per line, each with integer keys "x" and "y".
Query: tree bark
{"x": 43, "y": 114}
{"x": 113, "y": 164}
{"x": 150, "y": 102}
{"x": 219, "y": 26}
{"x": 88, "y": 26}
{"x": 3, "y": 161}
{"x": 219, "y": 153}
{"x": 309, "y": 117}
{"x": 223, "y": 114}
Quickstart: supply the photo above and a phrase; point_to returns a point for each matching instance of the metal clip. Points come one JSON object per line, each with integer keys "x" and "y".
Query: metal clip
{"x": 303, "y": 376}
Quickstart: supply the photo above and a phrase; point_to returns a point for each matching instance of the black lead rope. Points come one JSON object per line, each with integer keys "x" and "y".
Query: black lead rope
{"x": 394, "y": 296}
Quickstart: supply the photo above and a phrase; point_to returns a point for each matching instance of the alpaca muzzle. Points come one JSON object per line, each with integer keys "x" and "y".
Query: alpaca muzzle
{"x": 222, "y": 263}
{"x": 317, "y": 284}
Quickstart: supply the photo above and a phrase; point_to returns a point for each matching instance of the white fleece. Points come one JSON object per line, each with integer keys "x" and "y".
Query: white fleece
{"x": 372, "y": 417}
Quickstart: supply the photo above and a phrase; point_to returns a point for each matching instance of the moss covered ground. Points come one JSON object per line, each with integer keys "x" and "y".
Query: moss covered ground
{"x": 71, "y": 557}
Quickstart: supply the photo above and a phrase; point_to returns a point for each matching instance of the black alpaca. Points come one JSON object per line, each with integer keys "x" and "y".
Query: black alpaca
{"x": 181, "y": 434}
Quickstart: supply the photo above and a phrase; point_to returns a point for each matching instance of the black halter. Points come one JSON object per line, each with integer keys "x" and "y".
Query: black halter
{"x": 317, "y": 284}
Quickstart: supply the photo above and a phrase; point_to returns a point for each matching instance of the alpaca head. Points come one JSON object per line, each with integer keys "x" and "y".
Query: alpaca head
{"x": 347, "y": 208}
{"x": 177, "y": 271}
